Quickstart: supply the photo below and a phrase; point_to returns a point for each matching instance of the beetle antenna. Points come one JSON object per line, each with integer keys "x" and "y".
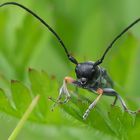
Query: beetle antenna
{"x": 115, "y": 39}
{"x": 71, "y": 58}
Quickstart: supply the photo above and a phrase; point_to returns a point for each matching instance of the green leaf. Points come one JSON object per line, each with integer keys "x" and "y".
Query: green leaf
{"x": 86, "y": 29}
{"x": 21, "y": 96}
{"x": 40, "y": 85}
{"x": 5, "y": 105}
{"x": 136, "y": 127}
{"x": 96, "y": 118}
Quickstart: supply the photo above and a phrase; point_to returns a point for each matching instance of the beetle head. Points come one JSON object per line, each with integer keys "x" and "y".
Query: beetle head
{"x": 86, "y": 72}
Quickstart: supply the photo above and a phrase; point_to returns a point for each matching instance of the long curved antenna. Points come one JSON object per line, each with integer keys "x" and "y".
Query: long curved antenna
{"x": 115, "y": 39}
{"x": 71, "y": 58}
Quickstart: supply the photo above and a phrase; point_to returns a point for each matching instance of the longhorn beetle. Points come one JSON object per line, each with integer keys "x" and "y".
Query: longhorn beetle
{"x": 89, "y": 74}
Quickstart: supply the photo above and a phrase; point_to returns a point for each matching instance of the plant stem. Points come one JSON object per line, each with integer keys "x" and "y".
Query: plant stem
{"x": 24, "y": 118}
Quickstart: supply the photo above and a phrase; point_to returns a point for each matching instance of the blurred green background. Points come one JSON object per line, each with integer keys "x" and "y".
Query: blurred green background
{"x": 86, "y": 27}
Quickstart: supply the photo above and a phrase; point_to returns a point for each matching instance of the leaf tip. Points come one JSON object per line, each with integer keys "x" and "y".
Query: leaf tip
{"x": 14, "y": 81}
{"x": 53, "y": 77}
{"x": 30, "y": 69}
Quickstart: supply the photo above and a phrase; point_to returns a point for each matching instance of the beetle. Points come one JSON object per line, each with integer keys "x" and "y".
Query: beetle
{"x": 89, "y": 75}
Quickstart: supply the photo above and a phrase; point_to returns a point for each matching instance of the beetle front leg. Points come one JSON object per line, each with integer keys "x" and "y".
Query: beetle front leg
{"x": 64, "y": 91}
{"x": 93, "y": 104}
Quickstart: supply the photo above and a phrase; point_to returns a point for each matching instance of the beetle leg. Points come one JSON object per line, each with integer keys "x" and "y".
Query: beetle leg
{"x": 93, "y": 104}
{"x": 64, "y": 91}
{"x": 115, "y": 100}
{"x": 112, "y": 92}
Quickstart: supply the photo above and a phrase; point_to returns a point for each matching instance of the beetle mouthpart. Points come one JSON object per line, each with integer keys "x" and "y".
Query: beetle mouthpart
{"x": 83, "y": 81}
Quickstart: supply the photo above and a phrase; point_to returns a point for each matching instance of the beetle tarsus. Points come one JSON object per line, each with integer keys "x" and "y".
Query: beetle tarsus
{"x": 131, "y": 112}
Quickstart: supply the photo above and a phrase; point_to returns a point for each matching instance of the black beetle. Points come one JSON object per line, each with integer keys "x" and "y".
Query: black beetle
{"x": 89, "y": 74}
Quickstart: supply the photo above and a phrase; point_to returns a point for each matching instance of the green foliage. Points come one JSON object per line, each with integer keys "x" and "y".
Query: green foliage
{"x": 112, "y": 121}
{"x": 86, "y": 27}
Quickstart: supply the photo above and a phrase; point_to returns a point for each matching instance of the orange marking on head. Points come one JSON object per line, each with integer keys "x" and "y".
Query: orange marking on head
{"x": 99, "y": 91}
